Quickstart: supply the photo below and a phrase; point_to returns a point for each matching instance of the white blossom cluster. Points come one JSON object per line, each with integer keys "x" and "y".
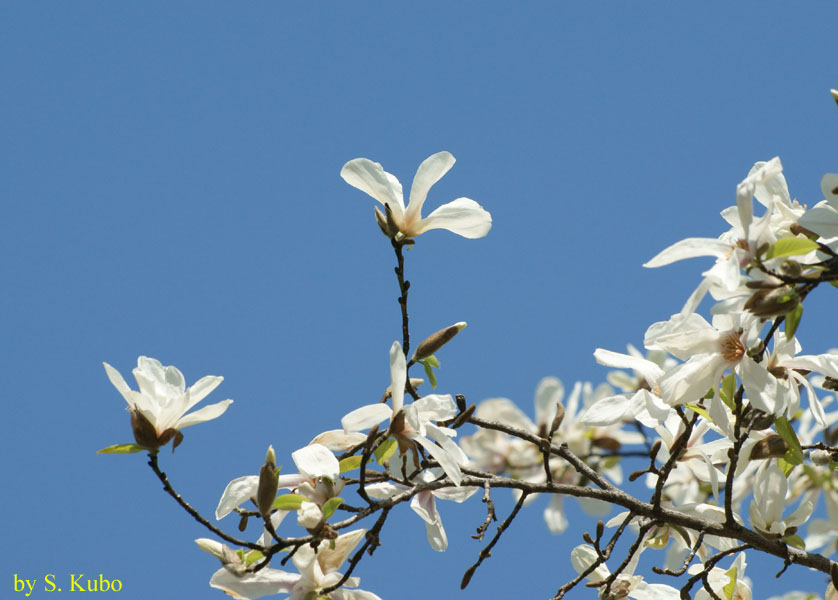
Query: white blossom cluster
{"x": 735, "y": 419}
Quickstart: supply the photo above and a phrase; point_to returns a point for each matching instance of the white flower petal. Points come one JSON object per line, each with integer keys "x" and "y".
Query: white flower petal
{"x": 365, "y": 417}
{"x": 606, "y": 411}
{"x": 316, "y": 461}
{"x": 202, "y": 388}
{"x": 429, "y": 172}
{"x": 237, "y": 491}
{"x": 338, "y": 440}
{"x": 689, "y": 248}
{"x": 370, "y": 178}
{"x": 264, "y": 582}
{"x": 462, "y": 216}
{"x": 208, "y": 413}
{"x": 398, "y": 376}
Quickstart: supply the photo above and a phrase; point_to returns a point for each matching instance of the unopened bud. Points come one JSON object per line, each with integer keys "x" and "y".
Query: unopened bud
{"x": 606, "y": 443}
{"x": 557, "y": 420}
{"x": 834, "y": 94}
{"x": 437, "y": 340}
{"x": 821, "y": 457}
{"x": 771, "y": 447}
{"x": 792, "y": 268}
{"x": 772, "y": 303}
{"x": 387, "y": 227}
{"x": 268, "y": 483}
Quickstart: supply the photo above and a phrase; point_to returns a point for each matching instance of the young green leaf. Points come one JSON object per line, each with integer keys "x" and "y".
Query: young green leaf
{"x": 288, "y": 502}
{"x": 350, "y": 463}
{"x": 330, "y": 506}
{"x": 430, "y": 373}
{"x": 791, "y": 247}
{"x": 385, "y": 450}
{"x": 727, "y": 390}
{"x": 121, "y": 449}
{"x": 731, "y": 586}
{"x": 793, "y": 320}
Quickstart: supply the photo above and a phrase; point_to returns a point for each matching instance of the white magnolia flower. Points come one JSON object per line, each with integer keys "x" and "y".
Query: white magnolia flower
{"x": 719, "y": 578}
{"x": 735, "y": 249}
{"x": 823, "y": 217}
{"x": 317, "y": 481}
{"x": 644, "y": 404}
{"x": 463, "y": 216}
{"x": 414, "y": 423}
{"x": 770, "y": 491}
{"x": 158, "y": 409}
{"x": 318, "y": 569}
{"x": 627, "y": 584}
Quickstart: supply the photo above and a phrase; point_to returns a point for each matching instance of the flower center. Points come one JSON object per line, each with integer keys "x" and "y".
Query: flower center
{"x": 731, "y": 347}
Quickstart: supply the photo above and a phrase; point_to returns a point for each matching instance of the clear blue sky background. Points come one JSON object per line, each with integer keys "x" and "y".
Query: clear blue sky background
{"x": 169, "y": 179}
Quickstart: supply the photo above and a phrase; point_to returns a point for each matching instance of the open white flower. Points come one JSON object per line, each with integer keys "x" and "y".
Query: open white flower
{"x": 318, "y": 569}
{"x": 158, "y": 409}
{"x": 627, "y": 584}
{"x": 770, "y": 490}
{"x": 463, "y": 216}
{"x": 414, "y": 423}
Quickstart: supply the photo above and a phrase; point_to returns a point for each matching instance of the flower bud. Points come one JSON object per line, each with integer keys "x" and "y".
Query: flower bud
{"x": 437, "y": 340}
{"x": 268, "y": 483}
{"x": 385, "y": 223}
{"x": 772, "y": 303}
{"x": 821, "y": 457}
{"x": 834, "y": 97}
{"x": 772, "y": 446}
{"x": 557, "y": 420}
{"x": 144, "y": 433}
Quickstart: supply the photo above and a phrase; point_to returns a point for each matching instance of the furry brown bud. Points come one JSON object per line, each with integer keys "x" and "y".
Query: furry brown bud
{"x": 268, "y": 484}
{"x": 437, "y": 340}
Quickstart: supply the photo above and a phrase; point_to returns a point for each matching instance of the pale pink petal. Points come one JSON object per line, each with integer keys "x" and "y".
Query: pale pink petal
{"x": 424, "y": 505}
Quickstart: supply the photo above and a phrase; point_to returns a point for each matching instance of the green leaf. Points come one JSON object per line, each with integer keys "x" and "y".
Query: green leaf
{"x": 727, "y": 390}
{"x": 791, "y": 247}
{"x": 730, "y": 587}
{"x": 431, "y": 360}
{"x": 121, "y": 449}
{"x": 252, "y": 556}
{"x": 288, "y": 502}
{"x": 350, "y": 463}
{"x": 430, "y": 373}
{"x": 785, "y": 466}
{"x": 786, "y": 431}
{"x": 699, "y": 409}
{"x": 795, "y": 541}
{"x": 385, "y": 450}
{"x": 793, "y": 320}
{"x": 330, "y": 506}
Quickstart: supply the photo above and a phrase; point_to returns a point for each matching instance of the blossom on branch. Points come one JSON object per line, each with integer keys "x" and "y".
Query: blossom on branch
{"x": 158, "y": 409}
{"x": 462, "y": 216}
{"x": 413, "y": 424}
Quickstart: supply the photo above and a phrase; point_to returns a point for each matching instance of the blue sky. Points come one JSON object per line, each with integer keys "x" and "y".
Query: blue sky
{"x": 169, "y": 177}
